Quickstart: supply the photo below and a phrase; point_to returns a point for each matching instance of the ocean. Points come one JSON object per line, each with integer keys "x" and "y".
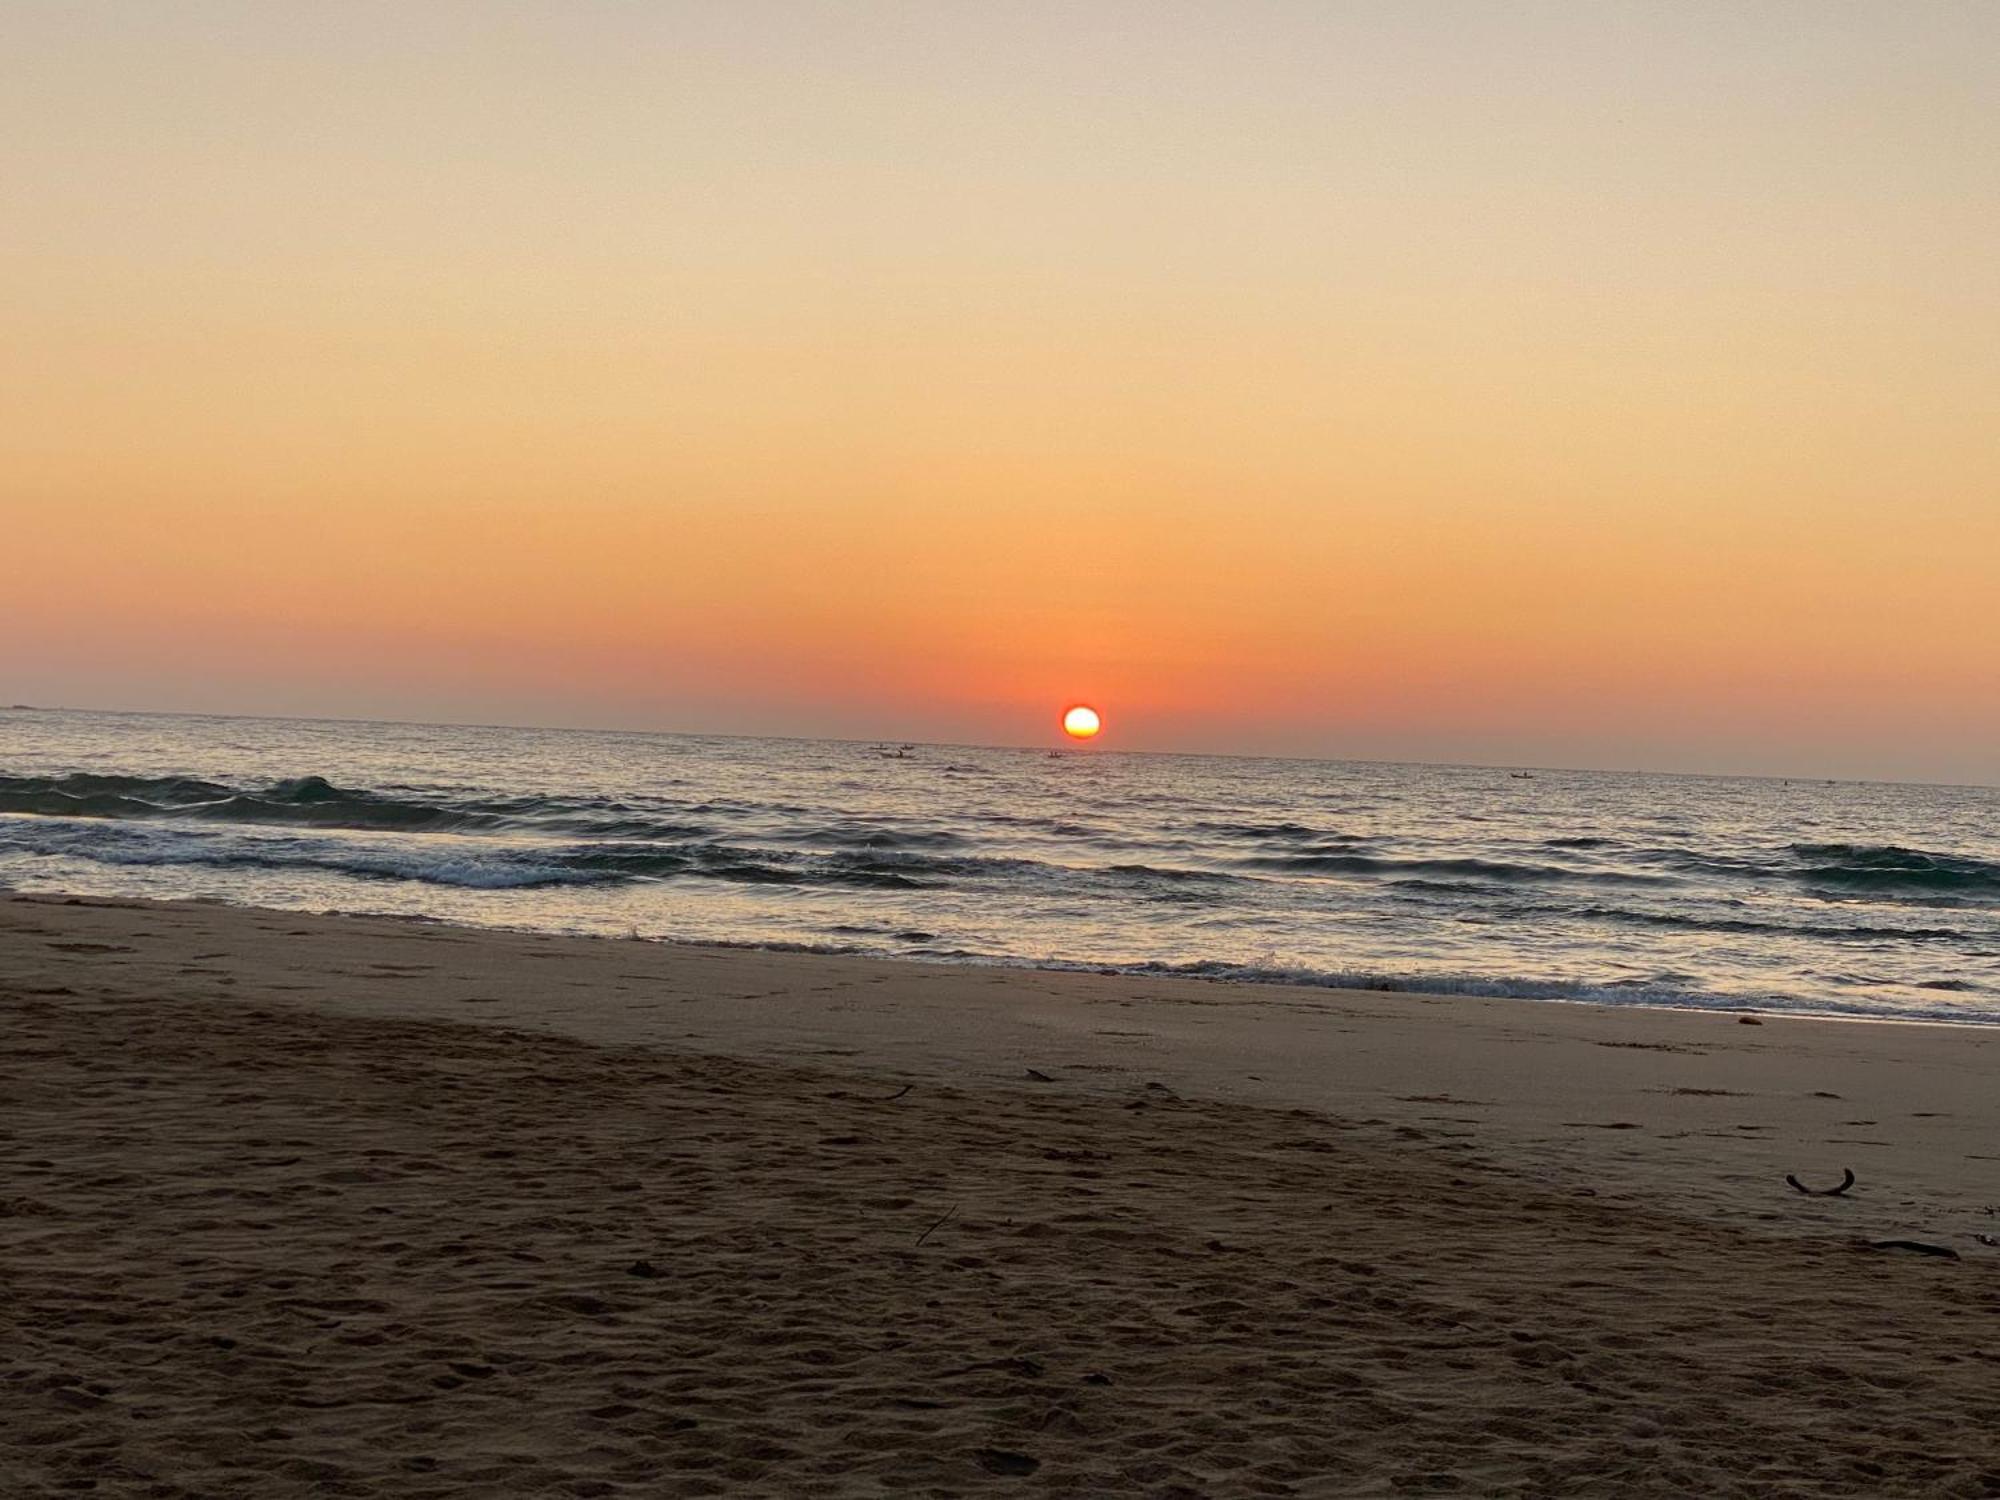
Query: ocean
{"x": 1852, "y": 899}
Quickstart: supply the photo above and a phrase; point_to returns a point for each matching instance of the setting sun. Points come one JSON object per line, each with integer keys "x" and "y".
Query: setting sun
{"x": 1081, "y": 722}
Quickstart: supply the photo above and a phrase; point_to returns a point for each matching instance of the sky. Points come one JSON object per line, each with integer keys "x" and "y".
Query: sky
{"x": 1593, "y": 384}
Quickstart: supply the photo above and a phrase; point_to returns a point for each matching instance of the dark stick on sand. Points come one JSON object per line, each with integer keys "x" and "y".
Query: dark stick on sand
{"x": 1846, "y": 1182}
{"x": 1917, "y": 1247}
{"x": 891, "y": 1098}
{"x": 939, "y": 1225}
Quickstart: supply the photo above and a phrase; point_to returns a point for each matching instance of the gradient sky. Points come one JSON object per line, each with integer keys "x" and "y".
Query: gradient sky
{"x": 1580, "y": 384}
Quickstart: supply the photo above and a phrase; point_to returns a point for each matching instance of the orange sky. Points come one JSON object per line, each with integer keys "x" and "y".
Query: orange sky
{"x": 1566, "y": 384}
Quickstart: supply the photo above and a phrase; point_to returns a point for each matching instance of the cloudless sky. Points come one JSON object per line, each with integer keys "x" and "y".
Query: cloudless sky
{"x": 1588, "y": 384}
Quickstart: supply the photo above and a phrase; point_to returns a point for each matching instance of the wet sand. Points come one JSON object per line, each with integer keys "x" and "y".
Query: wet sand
{"x": 313, "y": 1205}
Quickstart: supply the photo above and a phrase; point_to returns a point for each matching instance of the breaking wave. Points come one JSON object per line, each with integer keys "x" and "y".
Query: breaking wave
{"x": 501, "y": 865}
{"x": 308, "y": 801}
{"x": 1892, "y": 869}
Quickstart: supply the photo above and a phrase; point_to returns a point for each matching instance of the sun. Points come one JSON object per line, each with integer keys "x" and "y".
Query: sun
{"x": 1081, "y": 722}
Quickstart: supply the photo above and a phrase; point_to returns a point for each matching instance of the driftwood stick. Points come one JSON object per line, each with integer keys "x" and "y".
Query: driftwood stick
{"x": 1916, "y": 1246}
{"x": 1846, "y": 1182}
{"x": 939, "y": 1225}
{"x": 892, "y": 1098}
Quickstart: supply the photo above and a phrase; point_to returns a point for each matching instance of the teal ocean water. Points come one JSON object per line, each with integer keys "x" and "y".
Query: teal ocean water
{"x": 1861, "y": 899}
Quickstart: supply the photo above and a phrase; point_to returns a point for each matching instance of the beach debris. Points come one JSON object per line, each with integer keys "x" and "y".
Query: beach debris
{"x": 1039, "y": 1076}
{"x": 1748, "y": 1021}
{"x": 938, "y": 1225}
{"x": 1097, "y": 1377}
{"x": 1846, "y": 1182}
{"x": 1915, "y": 1247}
{"x": 644, "y": 1269}
{"x": 1002, "y": 1461}
{"x": 1987, "y": 1239}
{"x": 892, "y": 1098}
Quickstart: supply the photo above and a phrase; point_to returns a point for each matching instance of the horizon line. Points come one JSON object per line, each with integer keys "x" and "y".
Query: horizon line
{"x": 1071, "y": 748}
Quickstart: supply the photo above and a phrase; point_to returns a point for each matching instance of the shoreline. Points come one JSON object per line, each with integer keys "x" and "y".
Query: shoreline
{"x": 1386, "y": 984}
{"x": 332, "y": 1205}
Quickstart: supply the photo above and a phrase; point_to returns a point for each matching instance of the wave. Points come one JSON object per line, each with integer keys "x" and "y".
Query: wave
{"x": 1411, "y": 870}
{"x": 315, "y": 802}
{"x": 1856, "y": 932}
{"x": 749, "y": 866}
{"x": 1269, "y": 831}
{"x": 1891, "y": 869}
{"x": 869, "y": 836}
{"x": 1169, "y": 873}
{"x": 86, "y": 795}
{"x": 1170, "y": 884}
{"x": 498, "y": 864}
{"x": 1885, "y": 871}
{"x": 477, "y": 872}
{"x": 307, "y": 800}
{"x": 1515, "y": 909}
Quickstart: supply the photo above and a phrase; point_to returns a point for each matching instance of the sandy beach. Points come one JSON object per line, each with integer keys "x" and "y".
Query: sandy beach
{"x": 342, "y": 1206}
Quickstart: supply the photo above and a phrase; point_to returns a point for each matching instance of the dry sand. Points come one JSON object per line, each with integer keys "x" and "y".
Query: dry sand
{"x": 276, "y": 1220}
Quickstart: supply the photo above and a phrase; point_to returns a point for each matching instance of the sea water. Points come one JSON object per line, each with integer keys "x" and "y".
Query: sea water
{"x": 1862, "y": 899}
